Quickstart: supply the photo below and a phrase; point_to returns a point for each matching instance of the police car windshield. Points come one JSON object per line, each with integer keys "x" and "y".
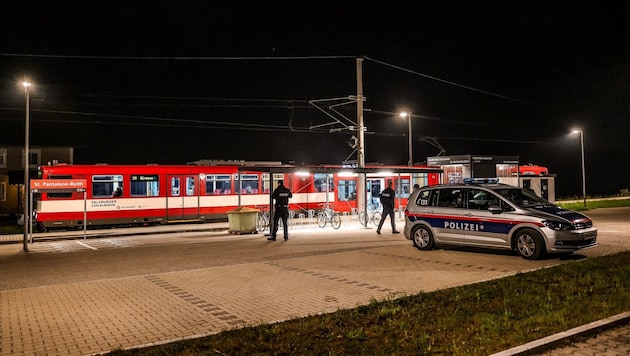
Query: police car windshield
{"x": 521, "y": 197}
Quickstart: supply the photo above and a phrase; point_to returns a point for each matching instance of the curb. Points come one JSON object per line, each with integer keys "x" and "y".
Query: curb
{"x": 99, "y": 233}
{"x": 550, "y": 341}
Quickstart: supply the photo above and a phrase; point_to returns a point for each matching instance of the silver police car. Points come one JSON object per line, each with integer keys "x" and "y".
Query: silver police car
{"x": 485, "y": 213}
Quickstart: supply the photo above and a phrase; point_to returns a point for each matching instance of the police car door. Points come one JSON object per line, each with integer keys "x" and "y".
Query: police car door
{"x": 448, "y": 215}
{"x": 486, "y": 228}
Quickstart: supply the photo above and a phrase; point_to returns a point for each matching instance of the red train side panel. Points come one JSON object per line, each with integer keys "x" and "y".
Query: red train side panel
{"x": 155, "y": 194}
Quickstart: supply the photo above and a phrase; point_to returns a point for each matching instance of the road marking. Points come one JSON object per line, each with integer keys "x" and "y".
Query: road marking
{"x": 86, "y": 245}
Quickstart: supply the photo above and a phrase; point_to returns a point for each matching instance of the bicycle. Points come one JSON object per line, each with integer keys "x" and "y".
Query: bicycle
{"x": 328, "y": 215}
{"x": 263, "y": 218}
{"x": 370, "y": 216}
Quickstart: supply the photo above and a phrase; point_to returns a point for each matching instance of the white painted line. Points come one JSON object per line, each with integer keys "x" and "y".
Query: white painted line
{"x": 88, "y": 246}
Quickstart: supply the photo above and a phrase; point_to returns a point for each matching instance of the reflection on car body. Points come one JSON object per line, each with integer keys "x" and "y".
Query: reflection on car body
{"x": 495, "y": 215}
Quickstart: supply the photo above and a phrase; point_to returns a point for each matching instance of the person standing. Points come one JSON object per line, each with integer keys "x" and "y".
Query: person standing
{"x": 281, "y": 195}
{"x": 387, "y": 200}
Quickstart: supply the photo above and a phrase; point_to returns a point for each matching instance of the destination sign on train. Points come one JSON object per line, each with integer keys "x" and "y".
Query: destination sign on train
{"x": 58, "y": 184}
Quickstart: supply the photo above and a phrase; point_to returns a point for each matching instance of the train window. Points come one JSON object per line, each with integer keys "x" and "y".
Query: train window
{"x": 323, "y": 182}
{"x": 265, "y": 182}
{"x": 249, "y": 183}
{"x": 422, "y": 179}
{"x": 347, "y": 190}
{"x": 145, "y": 185}
{"x": 105, "y": 185}
{"x": 276, "y": 178}
{"x": 405, "y": 191}
{"x": 175, "y": 186}
{"x": 218, "y": 184}
{"x": 190, "y": 186}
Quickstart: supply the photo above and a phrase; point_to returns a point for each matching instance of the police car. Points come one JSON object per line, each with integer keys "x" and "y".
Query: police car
{"x": 489, "y": 214}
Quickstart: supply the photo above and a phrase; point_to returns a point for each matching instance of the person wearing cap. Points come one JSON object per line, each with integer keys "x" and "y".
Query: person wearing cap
{"x": 281, "y": 195}
{"x": 387, "y": 199}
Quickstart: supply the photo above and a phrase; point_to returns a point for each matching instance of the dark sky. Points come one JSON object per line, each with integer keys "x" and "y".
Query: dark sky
{"x": 176, "y": 81}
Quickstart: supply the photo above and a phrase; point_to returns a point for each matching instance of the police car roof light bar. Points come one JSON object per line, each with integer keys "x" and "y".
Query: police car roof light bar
{"x": 481, "y": 180}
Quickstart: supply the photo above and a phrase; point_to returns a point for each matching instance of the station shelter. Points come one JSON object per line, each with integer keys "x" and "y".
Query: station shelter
{"x": 507, "y": 168}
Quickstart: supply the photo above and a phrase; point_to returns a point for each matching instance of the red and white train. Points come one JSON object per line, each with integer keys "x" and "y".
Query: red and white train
{"x": 125, "y": 195}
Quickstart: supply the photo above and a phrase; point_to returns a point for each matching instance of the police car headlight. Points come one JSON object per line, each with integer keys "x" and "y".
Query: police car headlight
{"x": 557, "y": 225}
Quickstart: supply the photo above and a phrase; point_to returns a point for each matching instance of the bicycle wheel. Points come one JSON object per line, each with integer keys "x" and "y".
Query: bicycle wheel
{"x": 362, "y": 218}
{"x": 262, "y": 222}
{"x": 376, "y": 218}
{"x": 335, "y": 221}
{"x": 321, "y": 220}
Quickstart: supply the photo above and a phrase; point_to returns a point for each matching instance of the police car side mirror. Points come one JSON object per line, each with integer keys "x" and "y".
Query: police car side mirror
{"x": 495, "y": 209}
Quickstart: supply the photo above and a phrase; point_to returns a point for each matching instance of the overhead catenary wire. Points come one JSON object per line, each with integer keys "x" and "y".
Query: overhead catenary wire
{"x": 236, "y": 103}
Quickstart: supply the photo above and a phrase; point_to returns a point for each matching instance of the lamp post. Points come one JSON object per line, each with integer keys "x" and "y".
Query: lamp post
{"x": 27, "y": 220}
{"x": 408, "y": 115}
{"x": 583, "y": 169}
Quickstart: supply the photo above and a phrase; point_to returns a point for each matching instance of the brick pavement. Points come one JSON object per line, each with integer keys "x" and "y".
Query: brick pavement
{"x": 98, "y": 316}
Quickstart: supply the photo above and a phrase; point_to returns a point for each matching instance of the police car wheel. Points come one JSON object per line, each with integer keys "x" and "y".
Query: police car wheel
{"x": 529, "y": 244}
{"x": 422, "y": 238}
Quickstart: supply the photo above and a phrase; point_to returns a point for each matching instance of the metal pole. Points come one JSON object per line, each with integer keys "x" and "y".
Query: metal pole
{"x": 27, "y": 219}
{"x": 399, "y": 188}
{"x": 30, "y": 226}
{"x": 84, "y": 213}
{"x": 410, "y": 143}
{"x": 583, "y": 169}
{"x": 361, "y": 183}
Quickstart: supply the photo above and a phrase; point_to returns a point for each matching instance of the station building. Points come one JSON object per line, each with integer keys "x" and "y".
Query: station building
{"x": 507, "y": 168}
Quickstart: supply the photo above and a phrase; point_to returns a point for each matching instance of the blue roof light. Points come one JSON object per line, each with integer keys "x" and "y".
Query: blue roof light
{"x": 481, "y": 180}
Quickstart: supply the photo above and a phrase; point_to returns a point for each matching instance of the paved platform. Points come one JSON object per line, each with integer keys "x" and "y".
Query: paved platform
{"x": 106, "y": 313}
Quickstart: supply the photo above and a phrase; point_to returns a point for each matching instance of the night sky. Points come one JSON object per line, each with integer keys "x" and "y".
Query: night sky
{"x": 171, "y": 82}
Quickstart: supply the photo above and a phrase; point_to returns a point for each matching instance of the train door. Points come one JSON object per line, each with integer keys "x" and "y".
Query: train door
{"x": 183, "y": 198}
{"x": 374, "y": 188}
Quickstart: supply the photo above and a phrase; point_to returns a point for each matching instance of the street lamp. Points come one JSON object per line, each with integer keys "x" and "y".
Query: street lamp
{"x": 27, "y": 220}
{"x": 583, "y": 170}
{"x": 408, "y": 115}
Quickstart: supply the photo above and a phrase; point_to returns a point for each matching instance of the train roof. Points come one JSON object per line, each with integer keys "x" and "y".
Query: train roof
{"x": 237, "y": 166}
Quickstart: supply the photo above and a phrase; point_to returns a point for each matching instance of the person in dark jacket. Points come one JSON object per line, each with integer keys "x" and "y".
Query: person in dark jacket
{"x": 387, "y": 200}
{"x": 281, "y": 195}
